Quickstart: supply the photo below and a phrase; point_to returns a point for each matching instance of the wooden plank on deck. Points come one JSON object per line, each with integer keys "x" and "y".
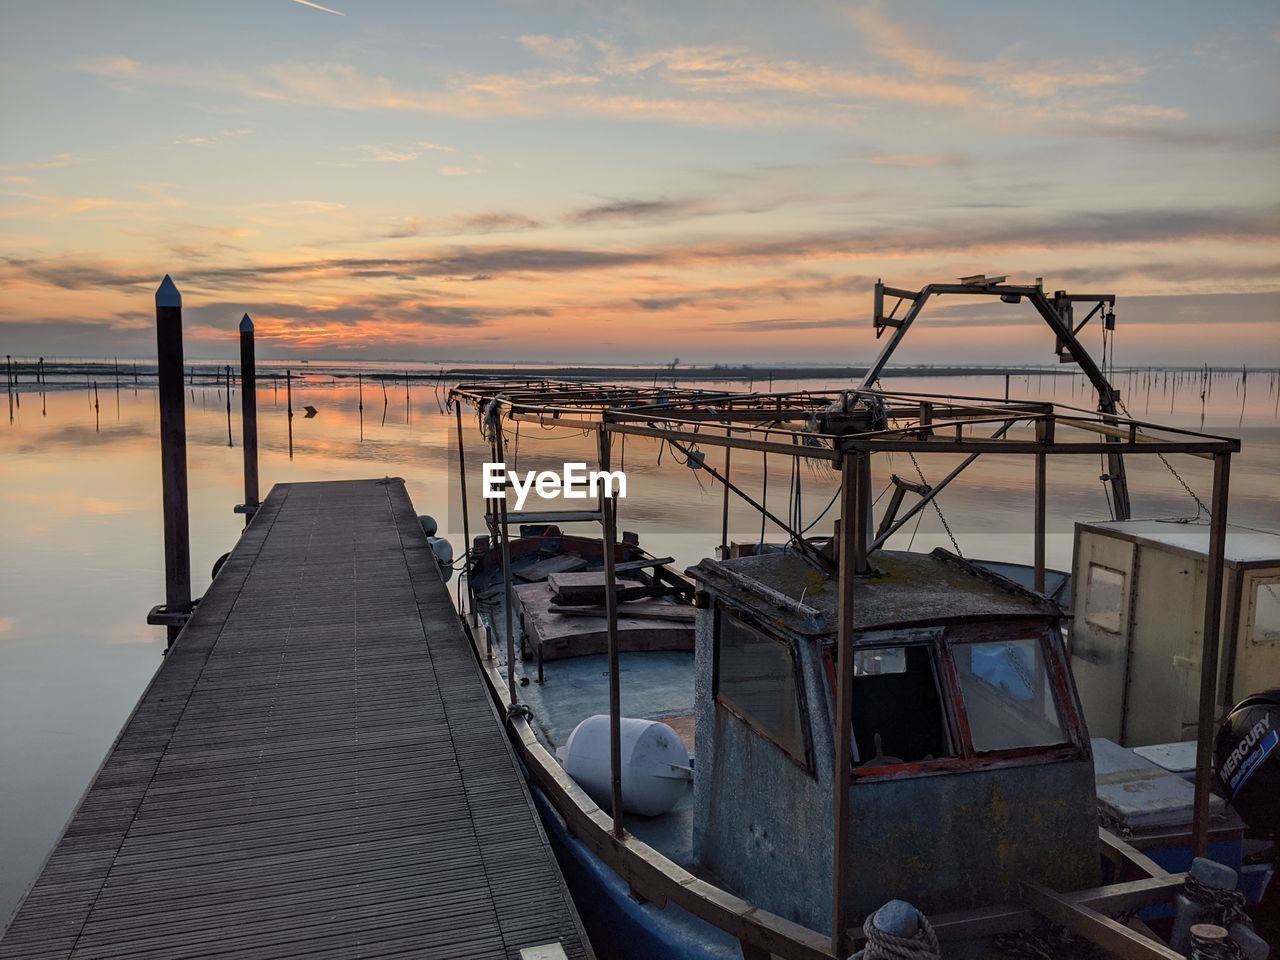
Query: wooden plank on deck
{"x": 316, "y": 770}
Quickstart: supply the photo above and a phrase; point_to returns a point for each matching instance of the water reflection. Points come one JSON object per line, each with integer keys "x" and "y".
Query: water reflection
{"x": 79, "y": 507}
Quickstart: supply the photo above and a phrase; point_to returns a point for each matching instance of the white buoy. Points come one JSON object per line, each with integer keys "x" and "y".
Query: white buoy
{"x": 655, "y": 764}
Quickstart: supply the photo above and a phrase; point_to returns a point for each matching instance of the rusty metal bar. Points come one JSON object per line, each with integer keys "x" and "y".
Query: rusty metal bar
{"x": 850, "y": 529}
{"x": 724, "y": 509}
{"x": 937, "y": 488}
{"x": 609, "y": 508}
{"x": 1210, "y": 651}
{"x": 1042, "y": 471}
{"x": 796, "y": 537}
{"x": 1094, "y": 926}
{"x": 862, "y": 519}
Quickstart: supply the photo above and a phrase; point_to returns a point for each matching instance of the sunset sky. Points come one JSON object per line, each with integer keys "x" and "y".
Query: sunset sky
{"x": 636, "y": 181}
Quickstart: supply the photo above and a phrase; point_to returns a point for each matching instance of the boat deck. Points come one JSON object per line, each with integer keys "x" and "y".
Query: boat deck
{"x": 316, "y": 770}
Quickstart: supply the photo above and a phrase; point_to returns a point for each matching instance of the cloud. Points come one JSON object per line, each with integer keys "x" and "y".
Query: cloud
{"x": 657, "y": 209}
{"x": 976, "y": 238}
{"x": 772, "y": 324}
{"x": 210, "y": 140}
{"x": 917, "y": 159}
{"x": 57, "y": 162}
{"x": 386, "y": 153}
{"x": 477, "y": 223}
{"x": 555, "y": 49}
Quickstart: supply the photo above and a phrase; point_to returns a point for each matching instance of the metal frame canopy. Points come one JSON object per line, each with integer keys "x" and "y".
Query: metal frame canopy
{"x": 1058, "y": 312}
{"x": 847, "y": 428}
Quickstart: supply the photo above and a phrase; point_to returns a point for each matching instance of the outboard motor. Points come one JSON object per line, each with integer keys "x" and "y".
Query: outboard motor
{"x": 1248, "y": 760}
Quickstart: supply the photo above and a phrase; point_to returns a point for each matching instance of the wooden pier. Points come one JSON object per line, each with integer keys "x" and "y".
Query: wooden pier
{"x": 316, "y": 770}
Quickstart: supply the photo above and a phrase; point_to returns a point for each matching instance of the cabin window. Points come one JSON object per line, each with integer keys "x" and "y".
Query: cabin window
{"x": 1008, "y": 694}
{"x": 897, "y": 707}
{"x": 1104, "y": 598}
{"x": 756, "y": 680}
{"x": 1264, "y": 611}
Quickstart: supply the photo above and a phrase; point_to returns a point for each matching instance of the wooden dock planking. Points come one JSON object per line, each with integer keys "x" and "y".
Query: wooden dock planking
{"x": 316, "y": 770}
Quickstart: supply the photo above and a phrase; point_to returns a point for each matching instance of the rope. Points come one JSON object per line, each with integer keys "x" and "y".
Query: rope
{"x": 1203, "y": 948}
{"x": 885, "y": 946}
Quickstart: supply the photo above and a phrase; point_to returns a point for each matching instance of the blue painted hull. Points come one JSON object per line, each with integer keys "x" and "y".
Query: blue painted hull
{"x": 619, "y": 927}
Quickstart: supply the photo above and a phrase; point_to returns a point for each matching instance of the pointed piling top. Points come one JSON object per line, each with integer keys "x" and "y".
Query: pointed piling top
{"x": 167, "y": 295}
{"x": 246, "y": 325}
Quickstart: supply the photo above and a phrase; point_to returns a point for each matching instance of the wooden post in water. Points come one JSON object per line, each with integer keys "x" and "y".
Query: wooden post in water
{"x": 249, "y": 416}
{"x": 173, "y": 453}
{"x": 229, "y": 440}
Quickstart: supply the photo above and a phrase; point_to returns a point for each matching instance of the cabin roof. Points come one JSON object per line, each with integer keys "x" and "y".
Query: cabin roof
{"x": 1244, "y": 545}
{"x": 905, "y": 589}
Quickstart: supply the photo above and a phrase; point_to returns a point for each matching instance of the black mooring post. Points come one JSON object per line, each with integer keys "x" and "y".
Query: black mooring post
{"x": 249, "y": 417}
{"x": 173, "y": 454}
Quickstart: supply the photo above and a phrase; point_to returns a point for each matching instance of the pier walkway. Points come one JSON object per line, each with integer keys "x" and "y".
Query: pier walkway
{"x": 316, "y": 770}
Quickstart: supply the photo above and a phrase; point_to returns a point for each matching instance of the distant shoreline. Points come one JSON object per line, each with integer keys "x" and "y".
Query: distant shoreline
{"x": 107, "y": 372}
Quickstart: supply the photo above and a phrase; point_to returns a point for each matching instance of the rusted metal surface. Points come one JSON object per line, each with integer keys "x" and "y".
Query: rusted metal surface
{"x": 851, "y": 502}
{"x": 1209, "y": 655}
{"x": 844, "y": 427}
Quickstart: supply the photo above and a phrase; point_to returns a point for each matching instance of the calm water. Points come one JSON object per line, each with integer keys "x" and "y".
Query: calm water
{"x": 79, "y": 507}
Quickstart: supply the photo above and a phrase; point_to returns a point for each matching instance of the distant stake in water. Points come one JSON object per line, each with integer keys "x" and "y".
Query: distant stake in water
{"x": 229, "y": 442}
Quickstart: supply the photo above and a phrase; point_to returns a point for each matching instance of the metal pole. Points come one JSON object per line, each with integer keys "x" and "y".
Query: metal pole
{"x": 1209, "y": 653}
{"x": 249, "y": 415}
{"x": 1041, "y": 492}
{"x": 850, "y": 530}
{"x": 862, "y": 519}
{"x": 508, "y": 593}
{"x": 173, "y": 452}
{"x": 609, "y": 516}
{"x": 724, "y": 510}
{"x": 466, "y": 520}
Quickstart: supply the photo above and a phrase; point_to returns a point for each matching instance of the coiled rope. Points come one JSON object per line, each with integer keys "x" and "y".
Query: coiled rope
{"x": 886, "y": 946}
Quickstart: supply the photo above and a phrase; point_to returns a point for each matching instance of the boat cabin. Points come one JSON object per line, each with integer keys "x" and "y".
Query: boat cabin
{"x": 971, "y": 765}
{"x": 1138, "y": 625}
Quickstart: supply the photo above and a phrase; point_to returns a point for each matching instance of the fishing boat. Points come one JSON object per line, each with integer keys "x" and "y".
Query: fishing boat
{"x": 840, "y": 725}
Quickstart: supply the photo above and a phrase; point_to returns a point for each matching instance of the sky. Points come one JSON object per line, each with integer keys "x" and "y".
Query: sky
{"x": 639, "y": 182}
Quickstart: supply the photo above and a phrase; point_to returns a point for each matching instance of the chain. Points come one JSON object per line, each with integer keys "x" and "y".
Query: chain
{"x": 1199, "y": 503}
{"x": 1177, "y": 476}
{"x": 1011, "y": 653}
{"x": 946, "y": 526}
